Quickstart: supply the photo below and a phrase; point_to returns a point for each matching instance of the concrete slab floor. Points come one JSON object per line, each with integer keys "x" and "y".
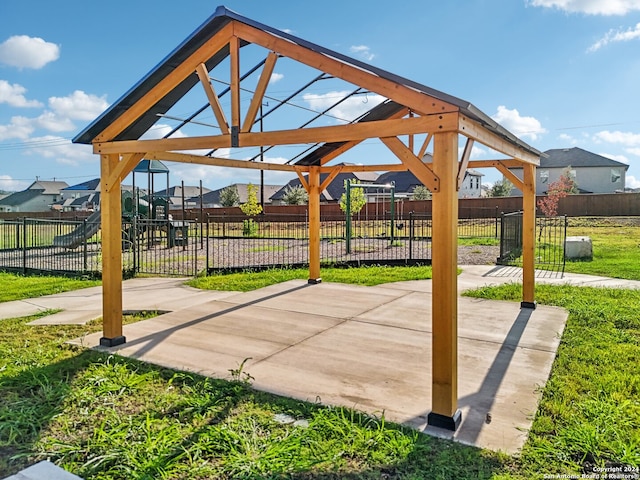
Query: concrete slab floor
{"x": 368, "y": 348}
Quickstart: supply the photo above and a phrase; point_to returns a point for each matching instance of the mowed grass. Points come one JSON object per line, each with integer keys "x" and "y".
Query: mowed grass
{"x": 369, "y": 276}
{"x": 616, "y": 251}
{"x": 18, "y": 287}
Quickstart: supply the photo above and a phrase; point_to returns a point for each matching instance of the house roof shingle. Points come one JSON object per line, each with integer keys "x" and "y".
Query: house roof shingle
{"x": 18, "y": 198}
{"x": 576, "y": 157}
{"x": 335, "y": 189}
{"x": 48, "y": 187}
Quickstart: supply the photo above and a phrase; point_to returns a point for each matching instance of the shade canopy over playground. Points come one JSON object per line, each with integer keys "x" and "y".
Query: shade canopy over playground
{"x": 215, "y": 92}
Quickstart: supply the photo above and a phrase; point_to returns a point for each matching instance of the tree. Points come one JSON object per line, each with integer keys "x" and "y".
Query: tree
{"x": 564, "y": 186}
{"x": 229, "y": 196}
{"x": 356, "y": 197}
{"x": 250, "y": 208}
{"x": 295, "y": 195}
{"x": 502, "y": 188}
{"x": 421, "y": 192}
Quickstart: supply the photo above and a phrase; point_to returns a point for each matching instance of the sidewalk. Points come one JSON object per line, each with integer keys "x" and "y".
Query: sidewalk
{"x": 170, "y": 294}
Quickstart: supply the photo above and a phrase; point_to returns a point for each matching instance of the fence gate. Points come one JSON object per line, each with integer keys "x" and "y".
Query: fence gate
{"x": 161, "y": 247}
{"x": 551, "y": 233}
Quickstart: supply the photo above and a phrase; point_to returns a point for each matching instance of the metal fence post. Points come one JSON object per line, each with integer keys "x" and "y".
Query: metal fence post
{"x": 134, "y": 242}
{"x": 24, "y": 245}
{"x": 84, "y": 245}
{"x": 411, "y": 235}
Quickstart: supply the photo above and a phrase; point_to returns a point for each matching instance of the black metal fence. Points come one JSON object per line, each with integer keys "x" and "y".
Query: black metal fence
{"x": 238, "y": 242}
{"x": 50, "y": 246}
{"x": 223, "y": 242}
{"x": 551, "y": 233}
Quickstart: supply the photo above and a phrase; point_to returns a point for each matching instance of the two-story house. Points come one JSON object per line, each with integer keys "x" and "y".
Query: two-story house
{"x": 592, "y": 173}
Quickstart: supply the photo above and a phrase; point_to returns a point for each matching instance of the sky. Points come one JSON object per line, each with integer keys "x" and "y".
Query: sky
{"x": 557, "y": 73}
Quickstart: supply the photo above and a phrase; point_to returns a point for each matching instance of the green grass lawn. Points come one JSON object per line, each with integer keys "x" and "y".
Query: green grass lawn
{"x": 18, "y": 287}
{"x": 369, "y": 276}
{"x": 616, "y": 252}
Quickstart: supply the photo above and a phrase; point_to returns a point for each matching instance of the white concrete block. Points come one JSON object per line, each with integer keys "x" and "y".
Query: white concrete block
{"x": 578, "y": 248}
{"x": 43, "y": 471}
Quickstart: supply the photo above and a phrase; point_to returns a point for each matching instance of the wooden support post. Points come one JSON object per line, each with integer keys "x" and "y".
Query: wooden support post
{"x": 314, "y": 225}
{"x": 444, "y": 388}
{"x": 528, "y": 236}
{"x": 111, "y": 214}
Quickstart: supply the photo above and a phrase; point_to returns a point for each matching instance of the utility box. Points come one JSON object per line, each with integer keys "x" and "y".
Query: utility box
{"x": 578, "y": 248}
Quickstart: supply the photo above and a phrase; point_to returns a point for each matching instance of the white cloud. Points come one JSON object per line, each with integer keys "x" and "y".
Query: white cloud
{"x": 633, "y": 151}
{"x": 627, "y": 139}
{"x": 616, "y": 36}
{"x": 160, "y": 130}
{"x": 362, "y": 51}
{"x": 79, "y": 105}
{"x": 348, "y": 110}
{"x": 590, "y": 7}
{"x": 13, "y": 95}
{"x": 476, "y": 152}
{"x": 8, "y": 184}
{"x": 23, "y": 51}
{"x": 618, "y": 158}
{"x": 632, "y": 182}
{"x": 521, "y": 126}
{"x": 53, "y": 122}
{"x": 20, "y": 128}
{"x": 567, "y": 139}
{"x": 62, "y": 151}
{"x": 275, "y": 77}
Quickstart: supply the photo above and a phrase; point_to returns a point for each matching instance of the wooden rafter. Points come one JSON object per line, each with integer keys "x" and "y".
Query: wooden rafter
{"x": 217, "y": 161}
{"x": 164, "y": 86}
{"x": 333, "y": 133}
{"x": 509, "y": 163}
{"x": 420, "y": 169}
{"x": 303, "y": 181}
{"x": 472, "y": 129}
{"x": 425, "y": 145}
{"x": 513, "y": 178}
{"x": 338, "y": 169}
{"x": 214, "y": 101}
{"x": 464, "y": 162}
{"x": 234, "y": 54}
{"x": 258, "y": 95}
{"x": 393, "y": 167}
{"x": 121, "y": 170}
{"x": 420, "y": 102}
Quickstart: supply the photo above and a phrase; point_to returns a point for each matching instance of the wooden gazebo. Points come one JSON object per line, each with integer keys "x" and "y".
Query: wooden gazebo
{"x": 408, "y": 118}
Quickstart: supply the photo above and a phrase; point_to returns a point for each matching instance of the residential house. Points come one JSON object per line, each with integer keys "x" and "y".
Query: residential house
{"x": 334, "y": 190}
{"x": 212, "y": 198}
{"x": 405, "y": 183}
{"x": 174, "y": 196}
{"x": 592, "y": 173}
{"x": 38, "y": 197}
{"x": 83, "y": 196}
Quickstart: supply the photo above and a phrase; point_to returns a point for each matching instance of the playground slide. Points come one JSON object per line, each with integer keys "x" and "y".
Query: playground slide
{"x": 79, "y": 235}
